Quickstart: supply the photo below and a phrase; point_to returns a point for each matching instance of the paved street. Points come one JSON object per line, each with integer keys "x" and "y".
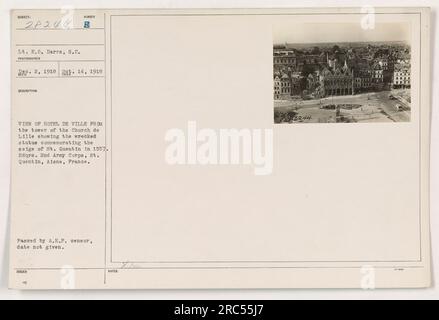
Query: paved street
{"x": 375, "y": 107}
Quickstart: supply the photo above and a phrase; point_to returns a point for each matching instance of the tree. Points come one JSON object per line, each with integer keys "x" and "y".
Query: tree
{"x": 315, "y": 50}
{"x": 307, "y": 69}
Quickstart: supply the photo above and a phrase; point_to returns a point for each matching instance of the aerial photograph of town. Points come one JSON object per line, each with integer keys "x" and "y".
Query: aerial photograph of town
{"x": 341, "y": 82}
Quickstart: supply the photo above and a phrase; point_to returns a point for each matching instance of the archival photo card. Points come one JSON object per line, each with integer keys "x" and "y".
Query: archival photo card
{"x": 152, "y": 149}
{"x": 341, "y": 73}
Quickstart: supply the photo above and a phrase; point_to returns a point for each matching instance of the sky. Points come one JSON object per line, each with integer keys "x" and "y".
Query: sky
{"x": 339, "y": 32}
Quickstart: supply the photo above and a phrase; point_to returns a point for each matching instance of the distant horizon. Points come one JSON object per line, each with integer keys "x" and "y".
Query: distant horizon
{"x": 310, "y": 44}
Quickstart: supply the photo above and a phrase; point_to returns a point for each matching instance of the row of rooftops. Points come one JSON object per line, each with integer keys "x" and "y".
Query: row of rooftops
{"x": 332, "y": 70}
{"x": 393, "y": 55}
{"x": 335, "y": 66}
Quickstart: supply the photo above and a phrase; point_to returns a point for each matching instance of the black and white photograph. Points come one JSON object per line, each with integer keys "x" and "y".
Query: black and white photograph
{"x": 362, "y": 76}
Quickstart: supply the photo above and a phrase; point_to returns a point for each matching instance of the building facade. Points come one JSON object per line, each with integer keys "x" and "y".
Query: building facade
{"x": 284, "y": 59}
{"x": 282, "y": 87}
{"x": 402, "y": 76}
{"x": 337, "y": 81}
